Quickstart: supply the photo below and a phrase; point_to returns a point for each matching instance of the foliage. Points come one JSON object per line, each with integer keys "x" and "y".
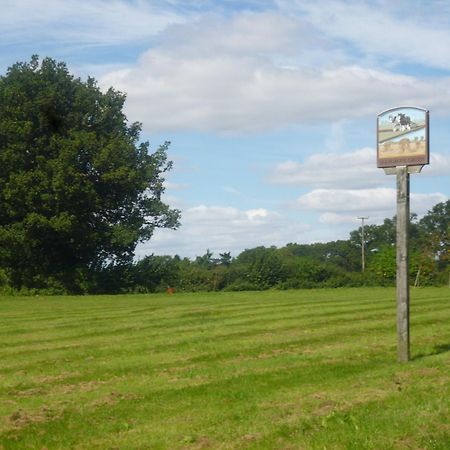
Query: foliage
{"x": 306, "y": 266}
{"x": 77, "y": 189}
{"x": 155, "y": 273}
{"x": 383, "y": 263}
{"x": 435, "y": 232}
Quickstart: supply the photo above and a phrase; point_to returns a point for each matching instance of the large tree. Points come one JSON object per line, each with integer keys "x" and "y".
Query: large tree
{"x": 78, "y": 190}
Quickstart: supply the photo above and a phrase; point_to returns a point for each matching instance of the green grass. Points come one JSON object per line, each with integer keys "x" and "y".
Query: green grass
{"x": 269, "y": 370}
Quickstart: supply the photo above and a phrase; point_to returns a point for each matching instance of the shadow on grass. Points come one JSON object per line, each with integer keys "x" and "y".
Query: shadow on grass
{"x": 438, "y": 349}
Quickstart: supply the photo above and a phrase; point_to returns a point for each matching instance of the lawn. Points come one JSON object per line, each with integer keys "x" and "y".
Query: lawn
{"x": 307, "y": 369}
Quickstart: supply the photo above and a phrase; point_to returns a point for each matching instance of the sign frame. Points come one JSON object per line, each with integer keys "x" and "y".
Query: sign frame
{"x": 396, "y": 148}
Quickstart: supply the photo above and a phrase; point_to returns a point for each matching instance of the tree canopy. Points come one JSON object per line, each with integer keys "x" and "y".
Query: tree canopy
{"x": 78, "y": 190}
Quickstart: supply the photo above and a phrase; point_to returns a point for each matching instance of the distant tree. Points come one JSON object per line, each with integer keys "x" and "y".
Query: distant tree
{"x": 264, "y": 267}
{"x": 78, "y": 190}
{"x": 384, "y": 264}
{"x": 225, "y": 259}
{"x": 435, "y": 232}
{"x": 205, "y": 261}
{"x": 314, "y": 251}
{"x": 156, "y": 273}
{"x": 375, "y": 236}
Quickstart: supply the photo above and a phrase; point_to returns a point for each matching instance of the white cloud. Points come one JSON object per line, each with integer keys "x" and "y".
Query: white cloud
{"x": 247, "y": 73}
{"x": 421, "y": 203}
{"x": 338, "y": 205}
{"x": 176, "y": 186}
{"x": 392, "y": 31}
{"x": 345, "y": 200}
{"x": 246, "y": 33}
{"x": 439, "y": 165}
{"x": 221, "y": 229}
{"x": 346, "y": 170}
{"x": 74, "y": 22}
{"x": 244, "y": 71}
{"x": 325, "y": 170}
{"x": 234, "y": 94}
{"x": 329, "y": 218}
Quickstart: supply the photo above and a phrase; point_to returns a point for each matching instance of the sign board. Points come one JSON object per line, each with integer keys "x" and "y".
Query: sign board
{"x": 402, "y": 137}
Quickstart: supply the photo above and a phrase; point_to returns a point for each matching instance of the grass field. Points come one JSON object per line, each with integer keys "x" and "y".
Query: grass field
{"x": 268, "y": 370}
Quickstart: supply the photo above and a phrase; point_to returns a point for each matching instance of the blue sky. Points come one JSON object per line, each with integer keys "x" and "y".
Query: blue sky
{"x": 270, "y": 105}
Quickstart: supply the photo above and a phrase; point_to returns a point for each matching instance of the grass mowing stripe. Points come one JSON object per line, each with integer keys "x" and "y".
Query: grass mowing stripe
{"x": 286, "y": 327}
{"x": 180, "y": 328}
{"x": 102, "y": 350}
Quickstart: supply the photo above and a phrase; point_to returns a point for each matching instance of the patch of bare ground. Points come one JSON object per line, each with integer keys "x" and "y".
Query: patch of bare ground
{"x": 10, "y": 402}
{"x": 365, "y": 395}
{"x": 40, "y": 384}
{"x": 49, "y": 379}
{"x": 407, "y": 443}
{"x": 200, "y": 443}
{"x": 321, "y": 404}
{"x": 422, "y": 375}
{"x": 428, "y": 371}
{"x": 28, "y": 392}
{"x": 251, "y": 437}
{"x": 325, "y": 408}
{"x": 112, "y": 398}
{"x": 284, "y": 446}
{"x": 85, "y": 386}
{"x": 21, "y": 419}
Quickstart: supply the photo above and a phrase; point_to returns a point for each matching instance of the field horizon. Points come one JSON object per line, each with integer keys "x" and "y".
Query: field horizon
{"x": 298, "y": 369}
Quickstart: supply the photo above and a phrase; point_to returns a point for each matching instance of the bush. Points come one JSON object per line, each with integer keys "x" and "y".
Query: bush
{"x": 241, "y": 285}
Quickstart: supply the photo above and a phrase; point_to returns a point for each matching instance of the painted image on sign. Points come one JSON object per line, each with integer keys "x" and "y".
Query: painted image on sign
{"x": 403, "y": 137}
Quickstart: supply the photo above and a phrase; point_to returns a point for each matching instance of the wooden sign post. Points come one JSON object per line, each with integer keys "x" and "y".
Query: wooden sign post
{"x": 402, "y": 148}
{"x": 402, "y": 239}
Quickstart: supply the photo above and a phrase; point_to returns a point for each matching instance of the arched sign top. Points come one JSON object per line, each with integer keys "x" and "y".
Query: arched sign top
{"x": 402, "y": 137}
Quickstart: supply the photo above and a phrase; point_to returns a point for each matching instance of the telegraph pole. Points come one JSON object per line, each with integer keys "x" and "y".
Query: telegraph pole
{"x": 363, "y": 259}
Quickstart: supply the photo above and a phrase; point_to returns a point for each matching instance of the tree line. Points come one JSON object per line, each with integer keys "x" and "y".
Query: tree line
{"x": 332, "y": 264}
{"x": 294, "y": 266}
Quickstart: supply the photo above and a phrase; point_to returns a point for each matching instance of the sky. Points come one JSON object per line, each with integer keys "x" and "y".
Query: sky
{"x": 270, "y": 105}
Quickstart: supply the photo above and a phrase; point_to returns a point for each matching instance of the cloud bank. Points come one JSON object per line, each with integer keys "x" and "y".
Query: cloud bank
{"x": 251, "y": 72}
{"x": 222, "y": 229}
{"x": 346, "y": 170}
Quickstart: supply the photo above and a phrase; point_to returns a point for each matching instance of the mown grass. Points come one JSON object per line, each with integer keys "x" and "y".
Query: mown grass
{"x": 269, "y": 370}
